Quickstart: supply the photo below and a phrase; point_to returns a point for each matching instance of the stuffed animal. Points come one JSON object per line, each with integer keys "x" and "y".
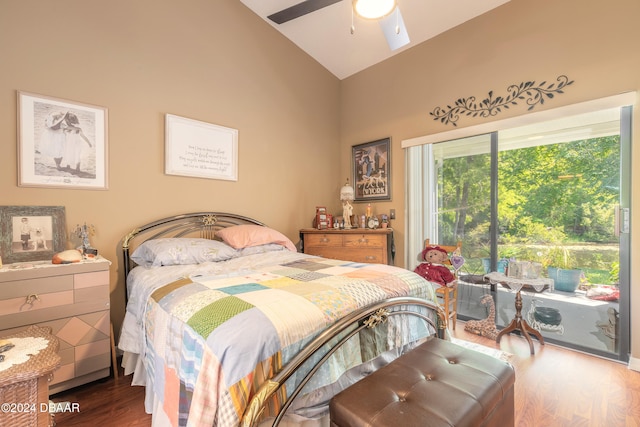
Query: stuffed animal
{"x": 485, "y": 327}
{"x": 433, "y": 269}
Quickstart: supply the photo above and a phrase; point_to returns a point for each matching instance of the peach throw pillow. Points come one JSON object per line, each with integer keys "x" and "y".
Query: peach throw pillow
{"x": 246, "y": 235}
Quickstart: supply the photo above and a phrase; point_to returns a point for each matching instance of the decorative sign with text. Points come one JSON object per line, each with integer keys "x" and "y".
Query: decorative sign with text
{"x": 199, "y": 149}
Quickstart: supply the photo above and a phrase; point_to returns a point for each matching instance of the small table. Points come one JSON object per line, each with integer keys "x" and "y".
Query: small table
{"x": 24, "y": 386}
{"x": 518, "y": 323}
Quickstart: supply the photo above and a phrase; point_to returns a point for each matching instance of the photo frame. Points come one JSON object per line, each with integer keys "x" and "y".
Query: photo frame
{"x": 61, "y": 144}
{"x": 199, "y": 149}
{"x": 372, "y": 170}
{"x": 31, "y": 233}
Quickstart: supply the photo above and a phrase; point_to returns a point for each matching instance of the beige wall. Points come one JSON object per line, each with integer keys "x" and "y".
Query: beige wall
{"x": 594, "y": 45}
{"x": 213, "y": 61}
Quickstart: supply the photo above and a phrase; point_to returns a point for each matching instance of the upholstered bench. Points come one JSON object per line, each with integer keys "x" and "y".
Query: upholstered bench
{"x": 436, "y": 384}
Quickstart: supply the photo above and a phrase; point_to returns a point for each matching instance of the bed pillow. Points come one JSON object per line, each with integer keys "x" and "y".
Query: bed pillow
{"x": 181, "y": 251}
{"x": 260, "y": 249}
{"x": 247, "y": 235}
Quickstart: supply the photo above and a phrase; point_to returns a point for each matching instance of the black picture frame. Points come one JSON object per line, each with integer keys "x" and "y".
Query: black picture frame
{"x": 47, "y": 232}
{"x": 372, "y": 170}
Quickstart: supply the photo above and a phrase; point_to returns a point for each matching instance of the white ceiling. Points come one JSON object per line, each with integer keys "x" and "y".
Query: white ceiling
{"x": 325, "y": 34}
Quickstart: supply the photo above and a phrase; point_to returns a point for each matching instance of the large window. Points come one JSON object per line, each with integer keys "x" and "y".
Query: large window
{"x": 549, "y": 193}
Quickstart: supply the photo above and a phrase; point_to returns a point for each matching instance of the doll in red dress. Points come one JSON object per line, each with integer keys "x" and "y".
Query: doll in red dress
{"x": 433, "y": 269}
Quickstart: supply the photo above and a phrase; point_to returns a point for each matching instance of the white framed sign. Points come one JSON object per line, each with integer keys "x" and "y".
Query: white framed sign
{"x": 199, "y": 149}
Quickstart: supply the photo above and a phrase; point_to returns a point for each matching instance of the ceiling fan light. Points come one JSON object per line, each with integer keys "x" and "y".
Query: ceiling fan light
{"x": 373, "y": 9}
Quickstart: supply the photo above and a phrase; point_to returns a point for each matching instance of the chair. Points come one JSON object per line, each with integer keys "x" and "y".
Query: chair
{"x": 448, "y": 296}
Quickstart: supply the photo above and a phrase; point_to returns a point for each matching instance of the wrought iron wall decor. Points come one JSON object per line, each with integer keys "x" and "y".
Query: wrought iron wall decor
{"x": 533, "y": 93}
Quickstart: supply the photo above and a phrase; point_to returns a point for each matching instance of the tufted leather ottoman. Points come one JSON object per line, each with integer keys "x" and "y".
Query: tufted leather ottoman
{"x": 436, "y": 384}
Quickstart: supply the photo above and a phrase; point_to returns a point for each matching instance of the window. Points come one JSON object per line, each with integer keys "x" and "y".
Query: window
{"x": 544, "y": 192}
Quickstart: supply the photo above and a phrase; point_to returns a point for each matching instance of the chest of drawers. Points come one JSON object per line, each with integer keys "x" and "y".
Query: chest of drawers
{"x": 73, "y": 300}
{"x": 359, "y": 245}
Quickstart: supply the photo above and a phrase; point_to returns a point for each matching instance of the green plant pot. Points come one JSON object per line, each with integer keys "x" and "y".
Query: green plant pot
{"x": 565, "y": 280}
{"x": 501, "y": 267}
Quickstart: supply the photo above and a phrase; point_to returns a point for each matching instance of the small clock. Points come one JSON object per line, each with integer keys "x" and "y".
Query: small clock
{"x": 373, "y": 222}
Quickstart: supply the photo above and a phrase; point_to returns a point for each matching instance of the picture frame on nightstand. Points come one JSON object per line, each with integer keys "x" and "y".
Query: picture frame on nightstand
{"x": 31, "y": 233}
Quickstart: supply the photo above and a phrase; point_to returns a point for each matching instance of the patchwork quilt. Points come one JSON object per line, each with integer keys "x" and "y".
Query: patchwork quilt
{"x": 211, "y": 341}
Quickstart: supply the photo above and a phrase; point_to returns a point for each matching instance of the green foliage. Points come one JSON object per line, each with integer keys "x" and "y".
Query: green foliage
{"x": 570, "y": 187}
{"x": 549, "y": 195}
{"x": 614, "y": 273}
{"x": 558, "y": 256}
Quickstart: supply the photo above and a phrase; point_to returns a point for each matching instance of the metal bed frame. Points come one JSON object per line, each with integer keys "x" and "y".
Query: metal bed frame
{"x": 205, "y": 225}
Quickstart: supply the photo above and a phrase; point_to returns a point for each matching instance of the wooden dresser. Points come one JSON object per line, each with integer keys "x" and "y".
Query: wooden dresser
{"x": 72, "y": 300}
{"x": 358, "y": 244}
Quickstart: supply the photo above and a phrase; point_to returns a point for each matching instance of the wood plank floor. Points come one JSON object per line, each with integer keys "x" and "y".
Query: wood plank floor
{"x": 554, "y": 387}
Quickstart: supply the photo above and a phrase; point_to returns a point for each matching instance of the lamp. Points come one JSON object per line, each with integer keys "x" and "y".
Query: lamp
{"x": 347, "y": 196}
{"x": 373, "y": 9}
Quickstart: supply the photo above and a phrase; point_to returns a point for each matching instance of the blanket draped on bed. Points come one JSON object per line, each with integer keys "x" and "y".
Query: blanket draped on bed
{"x": 211, "y": 341}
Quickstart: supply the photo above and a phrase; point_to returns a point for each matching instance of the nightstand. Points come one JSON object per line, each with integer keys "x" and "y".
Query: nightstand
{"x": 73, "y": 301}
{"x": 356, "y": 244}
{"x": 24, "y": 384}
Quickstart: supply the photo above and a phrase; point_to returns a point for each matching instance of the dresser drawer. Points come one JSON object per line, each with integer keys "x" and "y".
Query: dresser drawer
{"x": 35, "y": 300}
{"x": 364, "y": 241}
{"x": 326, "y": 252}
{"x": 84, "y": 347}
{"x": 377, "y": 256}
{"x": 313, "y": 240}
{"x": 39, "y": 285}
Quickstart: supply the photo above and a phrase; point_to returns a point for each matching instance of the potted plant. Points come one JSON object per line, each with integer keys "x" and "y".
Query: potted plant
{"x": 505, "y": 254}
{"x": 561, "y": 268}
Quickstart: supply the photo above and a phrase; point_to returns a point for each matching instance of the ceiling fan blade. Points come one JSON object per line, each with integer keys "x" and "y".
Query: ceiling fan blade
{"x": 394, "y": 30}
{"x": 300, "y": 9}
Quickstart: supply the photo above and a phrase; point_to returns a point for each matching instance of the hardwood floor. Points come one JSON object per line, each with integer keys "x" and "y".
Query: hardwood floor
{"x": 108, "y": 402}
{"x": 554, "y": 387}
{"x": 560, "y": 387}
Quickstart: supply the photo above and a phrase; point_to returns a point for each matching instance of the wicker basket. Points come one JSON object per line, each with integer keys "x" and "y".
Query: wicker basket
{"x": 19, "y": 383}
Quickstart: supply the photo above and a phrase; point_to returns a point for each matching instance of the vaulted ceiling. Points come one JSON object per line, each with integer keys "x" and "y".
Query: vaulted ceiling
{"x": 325, "y": 34}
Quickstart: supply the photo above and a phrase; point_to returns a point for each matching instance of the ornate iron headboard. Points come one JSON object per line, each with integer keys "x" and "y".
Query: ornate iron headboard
{"x": 198, "y": 224}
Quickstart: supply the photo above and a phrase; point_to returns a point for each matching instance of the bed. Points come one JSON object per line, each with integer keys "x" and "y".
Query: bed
{"x": 226, "y": 324}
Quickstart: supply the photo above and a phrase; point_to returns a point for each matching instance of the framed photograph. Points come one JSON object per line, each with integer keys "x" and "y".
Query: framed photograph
{"x": 371, "y": 170}
{"x": 31, "y": 233}
{"x": 199, "y": 149}
{"x": 61, "y": 143}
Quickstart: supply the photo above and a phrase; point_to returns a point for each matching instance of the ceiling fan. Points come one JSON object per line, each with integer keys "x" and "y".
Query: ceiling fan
{"x": 392, "y": 24}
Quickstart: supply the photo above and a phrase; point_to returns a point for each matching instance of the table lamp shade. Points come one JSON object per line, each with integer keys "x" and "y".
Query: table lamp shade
{"x": 346, "y": 192}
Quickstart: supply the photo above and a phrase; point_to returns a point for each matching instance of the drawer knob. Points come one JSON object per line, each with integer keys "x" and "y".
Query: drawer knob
{"x": 363, "y": 240}
{"x": 324, "y": 240}
{"x": 31, "y": 298}
{"x": 370, "y": 257}
{"x": 28, "y": 302}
